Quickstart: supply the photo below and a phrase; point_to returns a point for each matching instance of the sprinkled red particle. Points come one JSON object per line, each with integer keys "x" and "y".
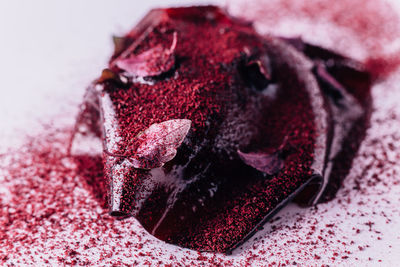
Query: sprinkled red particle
{"x": 209, "y": 129}
{"x": 41, "y": 173}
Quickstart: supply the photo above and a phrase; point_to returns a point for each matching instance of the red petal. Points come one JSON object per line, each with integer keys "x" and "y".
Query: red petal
{"x": 159, "y": 142}
{"x": 264, "y": 162}
{"x": 152, "y": 62}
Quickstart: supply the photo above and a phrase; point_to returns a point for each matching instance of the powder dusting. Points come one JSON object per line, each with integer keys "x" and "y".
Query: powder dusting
{"x": 368, "y": 30}
{"x": 52, "y": 206}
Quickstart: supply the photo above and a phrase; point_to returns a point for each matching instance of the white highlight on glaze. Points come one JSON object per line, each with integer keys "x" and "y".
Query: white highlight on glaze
{"x": 110, "y": 130}
{"x": 344, "y": 119}
{"x": 118, "y": 174}
{"x": 303, "y": 67}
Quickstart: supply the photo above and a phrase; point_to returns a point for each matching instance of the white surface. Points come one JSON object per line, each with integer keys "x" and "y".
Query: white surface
{"x": 50, "y": 51}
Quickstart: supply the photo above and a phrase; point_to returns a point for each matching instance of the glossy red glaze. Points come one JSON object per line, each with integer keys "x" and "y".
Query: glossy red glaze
{"x": 291, "y": 101}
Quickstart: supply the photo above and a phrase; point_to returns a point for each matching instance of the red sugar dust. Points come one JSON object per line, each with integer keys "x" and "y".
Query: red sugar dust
{"x": 50, "y": 213}
{"x": 373, "y": 27}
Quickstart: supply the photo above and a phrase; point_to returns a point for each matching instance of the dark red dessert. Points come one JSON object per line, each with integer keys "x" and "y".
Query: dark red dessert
{"x": 209, "y": 129}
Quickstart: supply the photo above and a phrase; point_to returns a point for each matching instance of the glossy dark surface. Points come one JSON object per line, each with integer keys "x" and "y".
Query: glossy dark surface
{"x": 270, "y": 118}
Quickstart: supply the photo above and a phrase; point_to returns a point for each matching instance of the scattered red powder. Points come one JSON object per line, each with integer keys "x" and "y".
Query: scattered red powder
{"x": 49, "y": 217}
{"x": 373, "y": 25}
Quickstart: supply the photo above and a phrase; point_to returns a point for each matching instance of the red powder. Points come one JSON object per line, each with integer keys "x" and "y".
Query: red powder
{"x": 48, "y": 216}
{"x": 219, "y": 82}
{"x": 373, "y": 24}
{"x": 209, "y": 84}
{"x": 383, "y": 65}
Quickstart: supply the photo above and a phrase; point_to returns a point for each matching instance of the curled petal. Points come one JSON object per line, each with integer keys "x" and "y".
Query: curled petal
{"x": 152, "y": 62}
{"x": 119, "y": 44}
{"x": 159, "y": 142}
{"x": 109, "y": 75}
{"x": 264, "y": 162}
